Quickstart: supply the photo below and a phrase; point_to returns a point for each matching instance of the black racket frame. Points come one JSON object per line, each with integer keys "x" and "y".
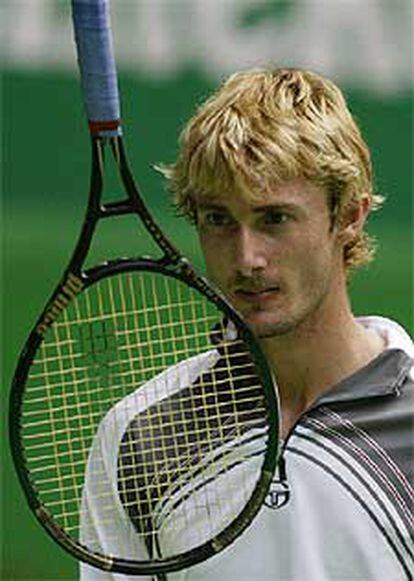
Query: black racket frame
{"x": 172, "y": 263}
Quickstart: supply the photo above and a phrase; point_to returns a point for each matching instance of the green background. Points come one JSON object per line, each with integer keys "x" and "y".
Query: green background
{"x": 45, "y": 181}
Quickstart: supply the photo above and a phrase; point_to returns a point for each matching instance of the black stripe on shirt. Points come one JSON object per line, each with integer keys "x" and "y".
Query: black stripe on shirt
{"x": 401, "y": 559}
{"x": 369, "y": 453}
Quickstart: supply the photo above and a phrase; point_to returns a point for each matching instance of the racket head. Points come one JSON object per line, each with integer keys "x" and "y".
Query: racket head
{"x": 85, "y": 380}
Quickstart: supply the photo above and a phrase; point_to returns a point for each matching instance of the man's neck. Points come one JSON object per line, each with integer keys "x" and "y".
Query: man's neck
{"x": 317, "y": 355}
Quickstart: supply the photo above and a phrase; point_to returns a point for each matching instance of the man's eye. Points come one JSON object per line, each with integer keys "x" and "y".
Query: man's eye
{"x": 217, "y": 218}
{"x": 275, "y": 217}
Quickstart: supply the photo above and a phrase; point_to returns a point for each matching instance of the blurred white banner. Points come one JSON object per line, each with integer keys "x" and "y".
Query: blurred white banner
{"x": 362, "y": 43}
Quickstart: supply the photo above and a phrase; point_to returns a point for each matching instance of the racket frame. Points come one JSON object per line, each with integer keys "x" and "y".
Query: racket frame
{"x": 171, "y": 263}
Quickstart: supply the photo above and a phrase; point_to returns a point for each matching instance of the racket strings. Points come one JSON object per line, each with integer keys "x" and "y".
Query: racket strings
{"x": 190, "y": 452}
{"x": 116, "y": 386}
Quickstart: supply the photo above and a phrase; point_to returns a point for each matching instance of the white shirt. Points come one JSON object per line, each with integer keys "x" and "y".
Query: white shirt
{"x": 347, "y": 517}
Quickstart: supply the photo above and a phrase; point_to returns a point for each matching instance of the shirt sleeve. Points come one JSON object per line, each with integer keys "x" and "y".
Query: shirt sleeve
{"x": 105, "y": 527}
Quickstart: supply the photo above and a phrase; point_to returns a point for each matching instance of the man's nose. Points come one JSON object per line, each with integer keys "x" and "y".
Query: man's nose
{"x": 249, "y": 254}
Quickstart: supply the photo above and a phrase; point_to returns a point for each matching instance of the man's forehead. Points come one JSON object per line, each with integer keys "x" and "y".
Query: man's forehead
{"x": 292, "y": 192}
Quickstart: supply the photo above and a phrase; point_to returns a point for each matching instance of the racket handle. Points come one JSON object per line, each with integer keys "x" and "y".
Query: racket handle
{"x": 96, "y": 61}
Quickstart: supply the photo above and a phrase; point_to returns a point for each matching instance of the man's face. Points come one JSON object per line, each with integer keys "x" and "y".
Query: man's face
{"x": 275, "y": 260}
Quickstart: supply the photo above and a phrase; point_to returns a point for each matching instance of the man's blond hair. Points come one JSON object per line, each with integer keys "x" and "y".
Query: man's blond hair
{"x": 263, "y": 127}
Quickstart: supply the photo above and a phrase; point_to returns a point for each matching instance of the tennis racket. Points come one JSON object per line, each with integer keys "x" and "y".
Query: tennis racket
{"x": 143, "y": 415}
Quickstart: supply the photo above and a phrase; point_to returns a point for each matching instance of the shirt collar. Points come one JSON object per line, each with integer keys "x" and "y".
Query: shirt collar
{"x": 382, "y": 376}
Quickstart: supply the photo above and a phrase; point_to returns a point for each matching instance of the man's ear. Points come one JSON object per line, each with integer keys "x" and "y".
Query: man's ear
{"x": 353, "y": 217}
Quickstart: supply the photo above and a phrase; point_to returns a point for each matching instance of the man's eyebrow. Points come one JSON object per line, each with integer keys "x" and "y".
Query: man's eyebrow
{"x": 278, "y": 206}
{"x": 211, "y": 206}
{"x": 259, "y": 209}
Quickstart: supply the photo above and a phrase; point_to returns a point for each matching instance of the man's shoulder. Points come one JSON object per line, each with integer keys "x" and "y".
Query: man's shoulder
{"x": 378, "y": 399}
{"x": 370, "y": 428}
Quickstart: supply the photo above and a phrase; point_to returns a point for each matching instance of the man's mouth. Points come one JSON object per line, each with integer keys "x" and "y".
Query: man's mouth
{"x": 256, "y": 295}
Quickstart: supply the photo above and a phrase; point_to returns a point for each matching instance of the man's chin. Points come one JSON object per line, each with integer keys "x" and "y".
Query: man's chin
{"x": 268, "y": 329}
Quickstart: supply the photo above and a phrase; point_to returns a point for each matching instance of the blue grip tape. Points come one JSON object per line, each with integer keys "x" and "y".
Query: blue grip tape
{"x": 97, "y": 65}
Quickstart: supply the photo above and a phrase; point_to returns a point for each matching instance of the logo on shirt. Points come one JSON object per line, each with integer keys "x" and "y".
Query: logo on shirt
{"x": 278, "y": 495}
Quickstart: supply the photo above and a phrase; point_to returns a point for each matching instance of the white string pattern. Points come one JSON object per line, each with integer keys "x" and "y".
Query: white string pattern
{"x": 112, "y": 339}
